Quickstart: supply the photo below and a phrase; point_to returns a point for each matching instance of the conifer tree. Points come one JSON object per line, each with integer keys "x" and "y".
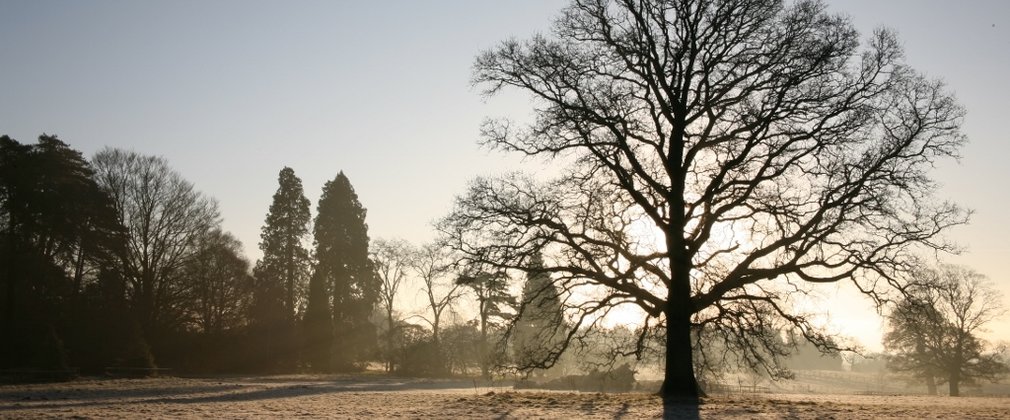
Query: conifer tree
{"x": 539, "y": 327}
{"x": 285, "y": 262}
{"x": 343, "y": 267}
{"x": 283, "y": 271}
{"x": 318, "y": 324}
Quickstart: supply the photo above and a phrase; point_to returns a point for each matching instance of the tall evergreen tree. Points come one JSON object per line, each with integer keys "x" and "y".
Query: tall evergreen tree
{"x": 539, "y": 326}
{"x": 283, "y": 271}
{"x": 318, "y": 324}
{"x": 343, "y": 267}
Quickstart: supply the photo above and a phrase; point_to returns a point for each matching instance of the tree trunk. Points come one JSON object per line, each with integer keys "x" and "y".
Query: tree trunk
{"x": 485, "y": 372}
{"x": 389, "y": 339}
{"x": 79, "y": 269}
{"x": 439, "y": 363}
{"x": 930, "y": 384}
{"x": 954, "y": 384}
{"x": 679, "y": 383}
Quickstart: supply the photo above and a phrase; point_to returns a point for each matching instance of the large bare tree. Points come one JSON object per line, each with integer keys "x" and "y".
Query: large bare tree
{"x": 165, "y": 217}
{"x": 761, "y": 144}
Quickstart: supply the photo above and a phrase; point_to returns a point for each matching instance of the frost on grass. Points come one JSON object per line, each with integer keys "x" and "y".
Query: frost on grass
{"x": 382, "y": 397}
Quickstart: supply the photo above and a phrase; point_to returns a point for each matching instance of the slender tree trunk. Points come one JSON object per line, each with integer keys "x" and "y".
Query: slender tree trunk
{"x": 954, "y": 378}
{"x": 954, "y": 384}
{"x": 484, "y": 371}
{"x": 79, "y": 269}
{"x": 440, "y": 367}
{"x": 930, "y": 384}
{"x": 389, "y": 339}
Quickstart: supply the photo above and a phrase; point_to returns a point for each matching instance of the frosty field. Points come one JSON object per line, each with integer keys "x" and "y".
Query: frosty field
{"x": 313, "y": 396}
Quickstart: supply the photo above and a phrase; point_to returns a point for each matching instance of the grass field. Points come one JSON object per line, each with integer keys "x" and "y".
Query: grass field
{"x": 314, "y": 396}
{"x": 384, "y": 397}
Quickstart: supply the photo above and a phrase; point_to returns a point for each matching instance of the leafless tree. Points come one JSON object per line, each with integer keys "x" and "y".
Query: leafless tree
{"x": 392, "y": 260}
{"x": 433, "y": 266}
{"x": 934, "y": 332}
{"x": 220, "y": 285}
{"x": 763, "y": 147}
{"x": 165, "y": 217}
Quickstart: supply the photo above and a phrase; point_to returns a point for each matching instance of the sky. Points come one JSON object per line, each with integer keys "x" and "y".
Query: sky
{"x": 232, "y": 91}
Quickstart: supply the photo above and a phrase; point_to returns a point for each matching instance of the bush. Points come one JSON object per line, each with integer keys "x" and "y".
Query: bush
{"x": 620, "y": 379}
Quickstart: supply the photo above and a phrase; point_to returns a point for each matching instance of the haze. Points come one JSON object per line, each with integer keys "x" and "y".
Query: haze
{"x": 231, "y": 91}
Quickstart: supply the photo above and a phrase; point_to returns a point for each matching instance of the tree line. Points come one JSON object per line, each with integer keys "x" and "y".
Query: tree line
{"x": 118, "y": 261}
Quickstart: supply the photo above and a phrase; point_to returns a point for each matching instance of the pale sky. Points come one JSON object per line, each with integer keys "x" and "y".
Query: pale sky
{"x": 232, "y": 91}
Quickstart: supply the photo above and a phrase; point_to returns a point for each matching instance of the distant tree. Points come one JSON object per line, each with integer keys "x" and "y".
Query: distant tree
{"x": 414, "y": 354}
{"x": 461, "y": 347}
{"x": 806, "y": 356}
{"x": 539, "y": 326}
{"x": 282, "y": 273}
{"x": 433, "y": 267}
{"x": 934, "y": 332}
{"x": 165, "y": 218}
{"x": 392, "y": 260}
{"x": 494, "y": 305}
{"x": 907, "y": 336}
{"x": 221, "y": 285}
{"x": 724, "y": 156}
{"x": 342, "y": 267}
{"x": 869, "y": 363}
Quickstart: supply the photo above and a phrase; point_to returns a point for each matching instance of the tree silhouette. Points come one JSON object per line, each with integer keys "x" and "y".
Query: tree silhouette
{"x": 934, "y": 331}
{"x": 343, "y": 268}
{"x": 165, "y": 219}
{"x": 433, "y": 266}
{"x": 318, "y": 325}
{"x": 539, "y": 328}
{"x": 221, "y": 286}
{"x": 494, "y": 305}
{"x": 760, "y": 146}
{"x": 392, "y": 260}
{"x": 282, "y": 272}
{"x": 58, "y": 229}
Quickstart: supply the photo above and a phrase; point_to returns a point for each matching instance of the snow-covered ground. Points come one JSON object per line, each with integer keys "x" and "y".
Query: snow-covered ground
{"x": 314, "y": 396}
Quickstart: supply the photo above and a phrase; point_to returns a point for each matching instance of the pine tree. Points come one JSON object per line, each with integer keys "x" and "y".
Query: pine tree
{"x": 283, "y": 271}
{"x": 343, "y": 267}
{"x": 539, "y": 328}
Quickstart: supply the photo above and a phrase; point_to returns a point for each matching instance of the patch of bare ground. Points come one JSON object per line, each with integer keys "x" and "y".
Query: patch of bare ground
{"x": 313, "y": 396}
